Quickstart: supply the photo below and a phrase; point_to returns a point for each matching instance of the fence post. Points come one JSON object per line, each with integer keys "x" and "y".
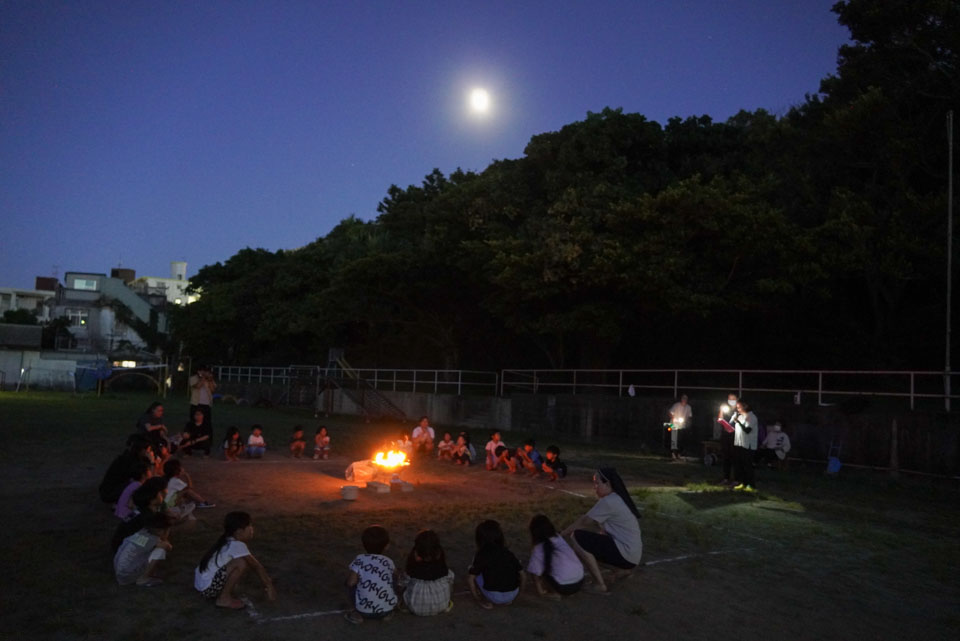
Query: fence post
{"x": 676, "y": 374}
{"x": 911, "y": 397}
{"x": 620, "y": 385}
{"x": 436, "y": 377}
{"x": 574, "y": 382}
{"x": 459, "y": 382}
{"x": 414, "y": 381}
{"x": 894, "y": 451}
{"x": 820, "y": 388}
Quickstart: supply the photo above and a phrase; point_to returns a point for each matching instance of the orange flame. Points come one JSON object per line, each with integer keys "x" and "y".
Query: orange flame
{"x": 391, "y": 459}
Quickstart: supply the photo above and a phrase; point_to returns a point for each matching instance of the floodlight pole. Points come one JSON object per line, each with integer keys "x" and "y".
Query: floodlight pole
{"x": 946, "y": 370}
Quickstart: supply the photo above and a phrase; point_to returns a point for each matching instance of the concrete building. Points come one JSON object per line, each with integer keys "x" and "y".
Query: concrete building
{"x": 106, "y": 316}
{"x": 34, "y": 301}
{"x": 174, "y": 288}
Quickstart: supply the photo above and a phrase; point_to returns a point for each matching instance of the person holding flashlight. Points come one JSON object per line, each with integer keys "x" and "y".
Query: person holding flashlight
{"x": 727, "y": 413}
{"x": 680, "y": 416}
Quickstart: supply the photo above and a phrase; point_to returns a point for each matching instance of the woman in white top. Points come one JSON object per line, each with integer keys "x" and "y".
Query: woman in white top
{"x": 746, "y": 427}
{"x": 618, "y": 543}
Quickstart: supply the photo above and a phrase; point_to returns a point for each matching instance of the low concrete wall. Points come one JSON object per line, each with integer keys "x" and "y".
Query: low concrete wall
{"x": 41, "y": 373}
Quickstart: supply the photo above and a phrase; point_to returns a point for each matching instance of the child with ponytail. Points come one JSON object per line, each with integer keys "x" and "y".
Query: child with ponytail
{"x": 227, "y": 561}
{"x": 553, "y": 564}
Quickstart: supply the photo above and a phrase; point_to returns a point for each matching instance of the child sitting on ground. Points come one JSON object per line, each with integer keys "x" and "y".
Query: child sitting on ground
{"x": 181, "y": 498}
{"x": 372, "y": 578}
{"x": 495, "y": 576}
{"x": 256, "y": 444}
{"x": 553, "y": 466}
{"x": 321, "y": 444}
{"x": 427, "y": 581}
{"x": 499, "y": 454}
{"x": 529, "y": 458}
{"x": 147, "y": 500}
{"x": 405, "y": 445}
{"x": 232, "y": 445}
{"x": 140, "y": 553}
{"x": 118, "y": 475}
{"x": 227, "y": 561}
{"x": 555, "y": 567}
{"x": 445, "y": 447}
{"x": 141, "y": 472}
{"x": 463, "y": 452}
{"x": 297, "y": 443}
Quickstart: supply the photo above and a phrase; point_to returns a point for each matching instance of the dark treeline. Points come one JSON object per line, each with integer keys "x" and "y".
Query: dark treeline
{"x": 816, "y": 239}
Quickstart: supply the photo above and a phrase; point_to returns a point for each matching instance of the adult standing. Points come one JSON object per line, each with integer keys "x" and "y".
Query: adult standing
{"x": 202, "y": 387}
{"x": 618, "y": 542}
{"x": 728, "y": 411}
{"x": 681, "y": 415}
{"x": 746, "y": 427}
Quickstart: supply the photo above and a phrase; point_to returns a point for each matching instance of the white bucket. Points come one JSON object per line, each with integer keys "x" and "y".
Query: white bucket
{"x": 349, "y": 492}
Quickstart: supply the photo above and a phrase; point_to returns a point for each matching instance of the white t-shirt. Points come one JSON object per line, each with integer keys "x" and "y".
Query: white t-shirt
{"x": 418, "y": 433}
{"x": 679, "y": 410}
{"x": 565, "y": 567}
{"x": 618, "y": 521}
{"x": 375, "y": 593}
{"x": 776, "y": 441}
{"x": 256, "y": 441}
{"x": 234, "y": 549}
{"x": 740, "y": 436}
{"x": 133, "y": 555}
{"x": 492, "y": 446}
{"x": 174, "y": 487}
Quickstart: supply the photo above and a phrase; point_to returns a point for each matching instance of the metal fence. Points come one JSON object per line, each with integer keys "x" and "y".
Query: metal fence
{"x": 430, "y": 381}
{"x": 827, "y": 386}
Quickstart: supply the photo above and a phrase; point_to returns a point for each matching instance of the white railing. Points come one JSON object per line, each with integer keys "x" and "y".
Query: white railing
{"x": 435, "y": 381}
{"x": 826, "y": 385}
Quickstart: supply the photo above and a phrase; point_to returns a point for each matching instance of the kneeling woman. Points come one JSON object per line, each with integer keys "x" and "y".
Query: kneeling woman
{"x": 618, "y": 543}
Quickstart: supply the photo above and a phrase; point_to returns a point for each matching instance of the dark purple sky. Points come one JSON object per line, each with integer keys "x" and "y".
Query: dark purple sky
{"x": 145, "y": 132}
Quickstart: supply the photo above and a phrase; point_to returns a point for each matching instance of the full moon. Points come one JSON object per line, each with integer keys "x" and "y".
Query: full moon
{"x": 479, "y": 101}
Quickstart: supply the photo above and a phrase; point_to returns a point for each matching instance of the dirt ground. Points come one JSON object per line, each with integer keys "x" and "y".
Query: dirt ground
{"x": 718, "y": 565}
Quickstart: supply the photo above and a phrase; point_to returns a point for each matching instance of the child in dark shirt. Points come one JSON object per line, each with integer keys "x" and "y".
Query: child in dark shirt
{"x": 553, "y": 466}
{"x": 495, "y": 576}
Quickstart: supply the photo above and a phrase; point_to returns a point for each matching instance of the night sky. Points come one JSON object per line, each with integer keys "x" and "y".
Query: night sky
{"x": 138, "y": 133}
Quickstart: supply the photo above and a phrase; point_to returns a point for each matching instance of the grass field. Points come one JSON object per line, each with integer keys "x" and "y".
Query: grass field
{"x": 861, "y": 556}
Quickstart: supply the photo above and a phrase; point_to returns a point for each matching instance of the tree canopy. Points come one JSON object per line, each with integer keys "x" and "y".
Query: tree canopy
{"x": 815, "y": 239}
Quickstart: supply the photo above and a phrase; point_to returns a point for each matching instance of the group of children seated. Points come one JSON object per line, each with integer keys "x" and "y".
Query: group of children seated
{"x": 527, "y": 457}
{"x": 234, "y": 447}
{"x": 150, "y": 505}
{"x": 498, "y": 454}
{"x": 321, "y": 443}
{"x": 424, "y": 586}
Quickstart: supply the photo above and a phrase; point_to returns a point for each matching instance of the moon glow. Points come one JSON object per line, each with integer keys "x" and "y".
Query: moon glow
{"x": 479, "y": 101}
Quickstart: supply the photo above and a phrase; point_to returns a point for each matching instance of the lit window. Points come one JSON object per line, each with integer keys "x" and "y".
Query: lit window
{"x": 77, "y": 317}
{"x": 85, "y": 283}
